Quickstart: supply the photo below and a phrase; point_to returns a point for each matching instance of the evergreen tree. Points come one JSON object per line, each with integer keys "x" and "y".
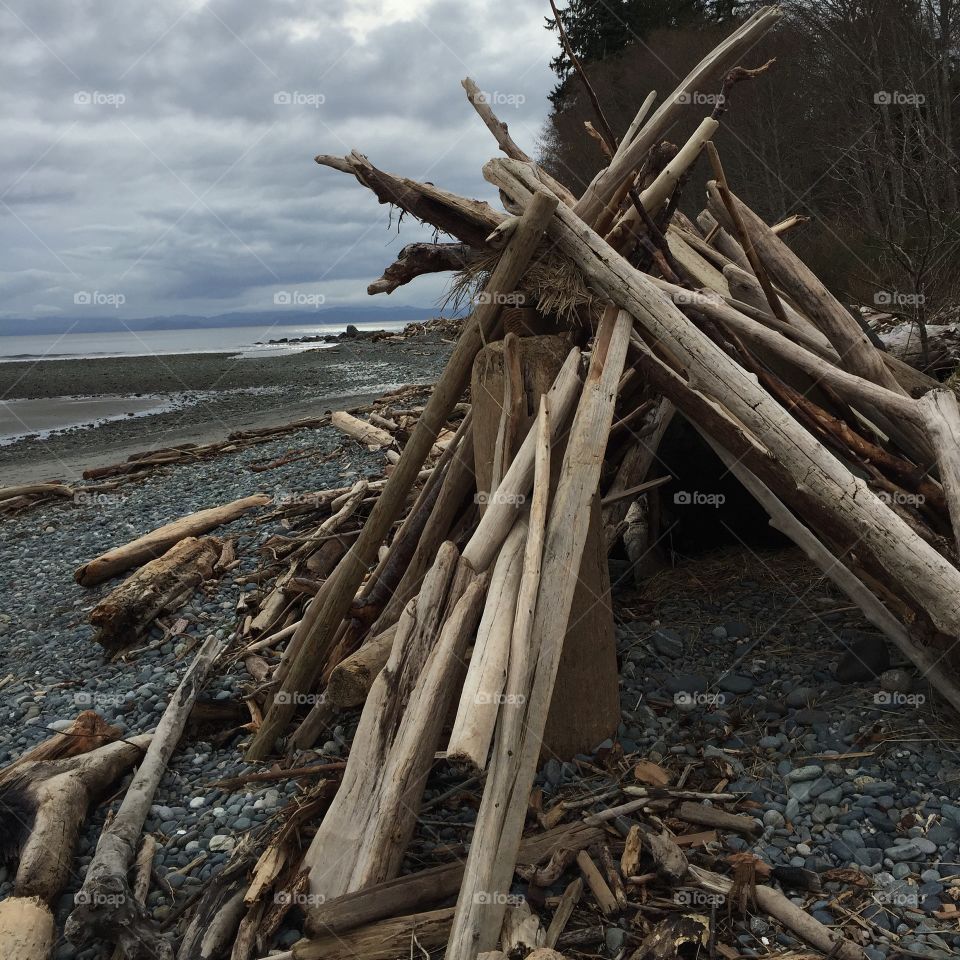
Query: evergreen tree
{"x": 599, "y": 29}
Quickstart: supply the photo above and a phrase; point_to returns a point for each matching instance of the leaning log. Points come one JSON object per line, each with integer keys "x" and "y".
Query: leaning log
{"x": 493, "y": 852}
{"x": 607, "y": 182}
{"x": 329, "y": 607}
{"x": 365, "y": 832}
{"x": 159, "y": 541}
{"x": 468, "y": 220}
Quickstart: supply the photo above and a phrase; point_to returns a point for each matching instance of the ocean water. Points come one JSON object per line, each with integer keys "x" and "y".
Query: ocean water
{"x": 152, "y": 343}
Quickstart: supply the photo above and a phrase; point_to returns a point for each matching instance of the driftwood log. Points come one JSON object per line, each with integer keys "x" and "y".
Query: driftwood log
{"x": 160, "y": 586}
{"x": 106, "y": 910}
{"x": 44, "y": 805}
{"x": 157, "y": 542}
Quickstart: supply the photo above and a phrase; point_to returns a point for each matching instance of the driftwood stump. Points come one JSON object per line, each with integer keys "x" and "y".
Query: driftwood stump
{"x": 585, "y": 709}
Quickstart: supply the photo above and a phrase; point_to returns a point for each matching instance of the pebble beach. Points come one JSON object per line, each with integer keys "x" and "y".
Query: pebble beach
{"x": 741, "y": 666}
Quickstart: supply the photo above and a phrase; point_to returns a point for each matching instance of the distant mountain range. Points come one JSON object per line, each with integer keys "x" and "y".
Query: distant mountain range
{"x": 321, "y": 317}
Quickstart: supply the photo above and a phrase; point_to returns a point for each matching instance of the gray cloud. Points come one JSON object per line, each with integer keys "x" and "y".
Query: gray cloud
{"x": 164, "y": 151}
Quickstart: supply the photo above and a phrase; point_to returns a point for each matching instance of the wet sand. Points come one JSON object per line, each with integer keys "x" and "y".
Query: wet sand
{"x": 212, "y": 395}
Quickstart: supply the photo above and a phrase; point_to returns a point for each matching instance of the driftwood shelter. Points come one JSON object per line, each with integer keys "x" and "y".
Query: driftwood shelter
{"x": 469, "y": 613}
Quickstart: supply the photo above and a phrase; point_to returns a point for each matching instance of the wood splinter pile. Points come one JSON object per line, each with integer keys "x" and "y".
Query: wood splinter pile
{"x": 457, "y": 614}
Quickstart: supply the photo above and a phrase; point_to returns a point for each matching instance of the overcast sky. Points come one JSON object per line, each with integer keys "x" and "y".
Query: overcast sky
{"x": 161, "y": 154}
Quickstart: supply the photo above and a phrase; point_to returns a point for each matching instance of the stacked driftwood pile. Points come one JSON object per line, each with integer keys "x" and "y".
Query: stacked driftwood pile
{"x": 462, "y": 602}
{"x": 855, "y": 455}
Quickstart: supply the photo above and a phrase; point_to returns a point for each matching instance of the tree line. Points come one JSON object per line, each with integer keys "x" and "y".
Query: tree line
{"x": 854, "y": 125}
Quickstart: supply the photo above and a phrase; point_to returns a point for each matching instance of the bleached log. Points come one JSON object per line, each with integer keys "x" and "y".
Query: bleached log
{"x": 722, "y": 240}
{"x": 521, "y": 931}
{"x": 87, "y": 732}
{"x": 387, "y": 940}
{"x": 426, "y": 888}
{"x": 845, "y": 579}
{"x": 635, "y": 124}
{"x": 417, "y": 259}
{"x": 511, "y": 410}
{"x": 61, "y": 792}
{"x": 660, "y": 191}
{"x": 481, "y": 103}
{"x": 456, "y": 489}
{"x": 106, "y": 911}
{"x": 853, "y": 388}
{"x": 697, "y": 267}
{"x": 746, "y": 287}
{"x": 360, "y": 430}
{"x": 329, "y": 607}
{"x": 487, "y": 673}
{"x": 607, "y": 182}
{"x": 501, "y": 511}
{"x": 352, "y": 678}
{"x": 942, "y": 417}
{"x": 160, "y": 586}
{"x": 493, "y": 851}
{"x": 159, "y": 541}
{"x": 931, "y": 581}
{"x": 467, "y": 220}
{"x": 365, "y": 831}
{"x": 36, "y": 489}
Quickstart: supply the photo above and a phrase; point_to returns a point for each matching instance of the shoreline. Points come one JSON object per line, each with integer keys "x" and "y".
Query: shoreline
{"x": 209, "y": 395}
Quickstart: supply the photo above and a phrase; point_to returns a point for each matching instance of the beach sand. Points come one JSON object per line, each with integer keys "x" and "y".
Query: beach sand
{"x": 210, "y": 396}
